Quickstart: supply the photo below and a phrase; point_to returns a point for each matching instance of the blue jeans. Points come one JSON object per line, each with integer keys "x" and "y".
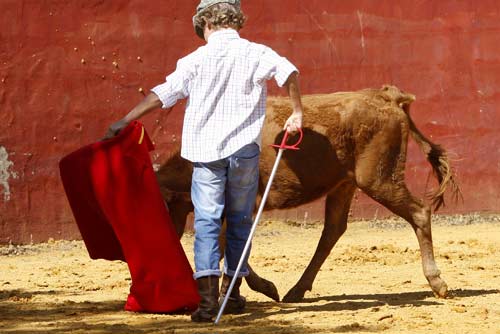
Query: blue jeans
{"x": 225, "y": 186}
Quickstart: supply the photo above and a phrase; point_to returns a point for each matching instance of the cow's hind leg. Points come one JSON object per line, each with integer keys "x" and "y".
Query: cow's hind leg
{"x": 337, "y": 207}
{"x": 380, "y": 173}
{"x": 395, "y": 196}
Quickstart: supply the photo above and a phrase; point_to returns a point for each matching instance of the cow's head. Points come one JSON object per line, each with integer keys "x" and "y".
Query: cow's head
{"x": 174, "y": 179}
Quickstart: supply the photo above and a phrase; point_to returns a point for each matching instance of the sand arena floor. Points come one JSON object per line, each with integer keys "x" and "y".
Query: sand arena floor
{"x": 371, "y": 283}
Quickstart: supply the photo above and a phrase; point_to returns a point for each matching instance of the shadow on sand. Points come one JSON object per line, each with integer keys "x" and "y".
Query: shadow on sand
{"x": 356, "y": 302}
{"x": 21, "y": 313}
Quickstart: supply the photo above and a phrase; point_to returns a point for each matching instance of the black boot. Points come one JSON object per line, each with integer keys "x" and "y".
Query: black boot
{"x": 208, "y": 288}
{"x": 236, "y": 302}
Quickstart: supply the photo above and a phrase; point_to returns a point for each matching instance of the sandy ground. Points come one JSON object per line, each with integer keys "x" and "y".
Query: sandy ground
{"x": 372, "y": 282}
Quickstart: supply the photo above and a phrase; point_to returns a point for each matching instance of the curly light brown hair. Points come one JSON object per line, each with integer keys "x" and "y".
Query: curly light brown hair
{"x": 222, "y": 15}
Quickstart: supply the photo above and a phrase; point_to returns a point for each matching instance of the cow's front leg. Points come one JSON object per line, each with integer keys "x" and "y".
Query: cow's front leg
{"x": 336, "y": 212}
{"x": 262, "y": 285}
{"x": 254, "y": 281}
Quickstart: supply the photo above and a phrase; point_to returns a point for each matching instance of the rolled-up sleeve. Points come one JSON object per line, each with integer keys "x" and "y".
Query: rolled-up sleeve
{"x": 176, "y": 85}
{"x": 277, "y": 66}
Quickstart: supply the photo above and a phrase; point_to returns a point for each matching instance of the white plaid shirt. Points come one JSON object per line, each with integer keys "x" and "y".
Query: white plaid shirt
{"x": 225, "y": 82}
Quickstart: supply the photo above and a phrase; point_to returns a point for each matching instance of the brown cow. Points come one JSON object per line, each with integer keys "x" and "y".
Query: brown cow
{"x": 351, "y": 140}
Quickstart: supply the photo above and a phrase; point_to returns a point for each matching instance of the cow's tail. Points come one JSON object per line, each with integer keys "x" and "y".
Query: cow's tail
{"x": 437, "y": 157}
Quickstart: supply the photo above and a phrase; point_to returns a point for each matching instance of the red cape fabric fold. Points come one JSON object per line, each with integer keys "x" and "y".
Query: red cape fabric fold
{"x": 117, "y": 204}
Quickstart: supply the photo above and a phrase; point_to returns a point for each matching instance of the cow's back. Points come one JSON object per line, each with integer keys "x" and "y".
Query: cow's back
{"x": 337, "y": 128}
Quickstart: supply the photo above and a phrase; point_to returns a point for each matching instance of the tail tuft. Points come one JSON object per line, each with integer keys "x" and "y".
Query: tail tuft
{"x": 441, "y": 167}
{"x": 442, "y": 170}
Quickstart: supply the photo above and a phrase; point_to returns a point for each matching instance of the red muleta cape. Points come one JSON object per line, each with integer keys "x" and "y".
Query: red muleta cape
{"x": 115, "y": 198}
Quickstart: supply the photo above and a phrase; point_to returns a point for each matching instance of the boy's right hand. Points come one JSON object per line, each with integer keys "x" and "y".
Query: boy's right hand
{"x": 115, "y": 129}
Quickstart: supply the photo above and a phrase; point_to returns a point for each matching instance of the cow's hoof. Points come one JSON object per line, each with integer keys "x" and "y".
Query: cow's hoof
{"x": 295, "y": 295}
{"x": 264, "y": 286}
{"x": 439, "y": 287}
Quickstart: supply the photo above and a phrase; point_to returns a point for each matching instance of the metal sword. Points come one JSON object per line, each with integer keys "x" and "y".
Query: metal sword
{"x": 281, "y": 148}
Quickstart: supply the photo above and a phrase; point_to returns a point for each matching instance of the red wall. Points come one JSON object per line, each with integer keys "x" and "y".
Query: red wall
{"x": 446, "y": 52}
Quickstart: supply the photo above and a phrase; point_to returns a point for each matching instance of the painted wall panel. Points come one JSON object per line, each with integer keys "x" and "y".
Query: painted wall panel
{"x": 69, "y": 68}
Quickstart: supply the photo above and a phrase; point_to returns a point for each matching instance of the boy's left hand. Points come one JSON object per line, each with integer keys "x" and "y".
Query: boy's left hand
{"x": 293, "y": 123}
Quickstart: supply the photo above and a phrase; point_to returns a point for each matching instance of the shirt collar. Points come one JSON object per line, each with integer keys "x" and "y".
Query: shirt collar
{"x": 223, "y": 35}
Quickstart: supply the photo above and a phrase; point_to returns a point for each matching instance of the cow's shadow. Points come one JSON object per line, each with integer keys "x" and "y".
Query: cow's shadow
{"x": 256, "y": 310}
{"x": 64, "y": 317}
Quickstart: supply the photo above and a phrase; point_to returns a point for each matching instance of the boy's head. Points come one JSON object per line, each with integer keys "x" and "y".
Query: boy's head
{"x": 218, "y": 14}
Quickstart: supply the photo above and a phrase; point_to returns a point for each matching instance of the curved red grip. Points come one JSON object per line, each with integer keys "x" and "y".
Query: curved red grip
{"x": 284, "y": 146}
